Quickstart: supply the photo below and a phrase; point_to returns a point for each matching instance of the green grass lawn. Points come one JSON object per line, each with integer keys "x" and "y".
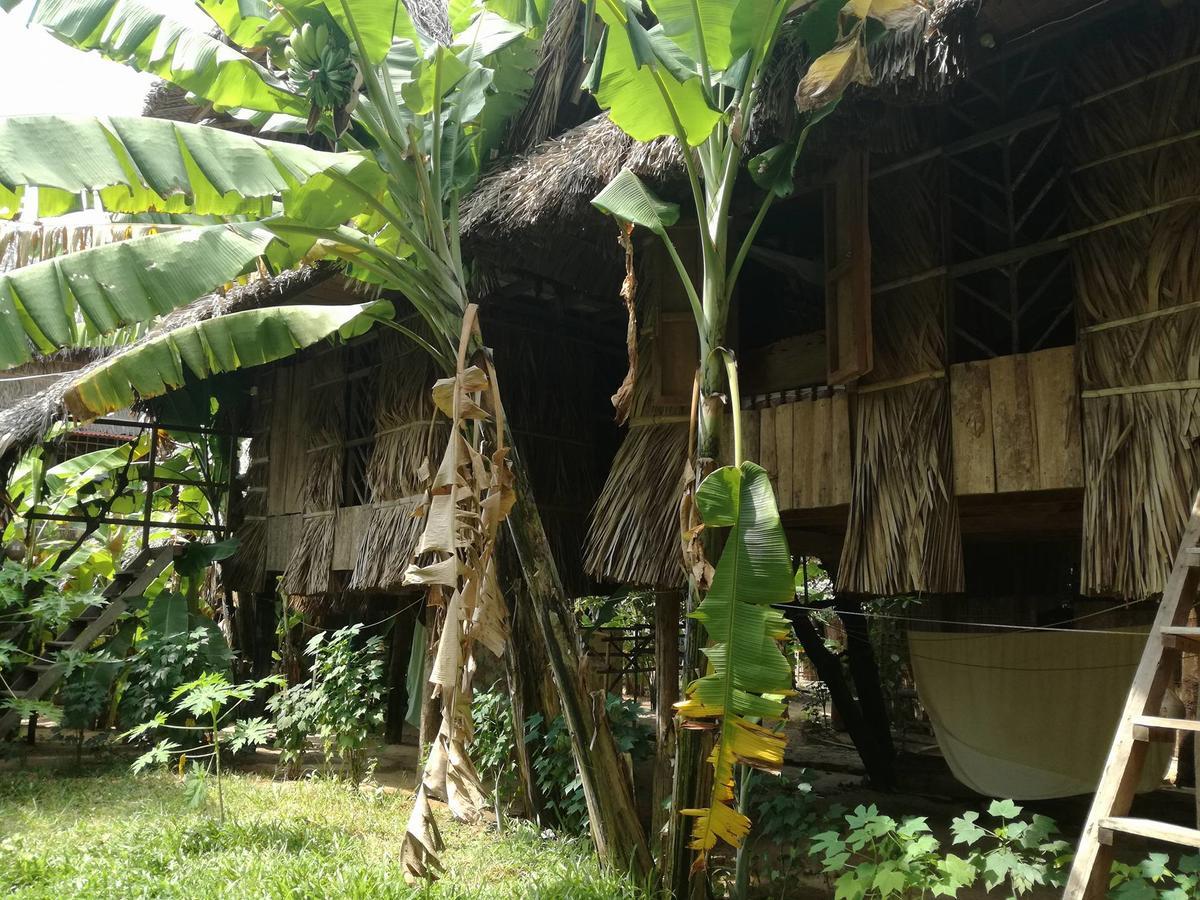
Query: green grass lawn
{"x": 110, "y": 834}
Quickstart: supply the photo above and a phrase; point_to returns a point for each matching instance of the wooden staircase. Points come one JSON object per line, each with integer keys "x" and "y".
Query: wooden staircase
{"x": 38, "y": 678}
{"x": 1140, "y": 725}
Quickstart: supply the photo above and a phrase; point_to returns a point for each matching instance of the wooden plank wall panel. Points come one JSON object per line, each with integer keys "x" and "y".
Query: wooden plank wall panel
{"x": 839, "y": 467}
{"x": 277, "y": 450}
{"x": 766, "y": 438}
{"x": 1015, "y": 423}
{"x": 751, "y": 448}
{"x": 822, "y": 452}
{"x": 971, "y": 428}
{"x": 802, "y": 450}
{"x": 297, "y": 442}
{"x": 1056, "y": 416}
{"x": 1013, "y": 434}
{"x": 785, "y": 459}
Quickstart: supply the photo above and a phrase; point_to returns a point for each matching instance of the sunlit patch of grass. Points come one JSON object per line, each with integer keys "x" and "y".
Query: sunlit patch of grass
{"x": 110, "y": 834}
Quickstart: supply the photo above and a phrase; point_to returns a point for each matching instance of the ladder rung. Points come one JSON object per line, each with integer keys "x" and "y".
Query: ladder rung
{"x": 1148, "y": 828}
{"x": 1182, "y": 637}
{"x": 1159, "y": 728}
{"x": 1192, "y": 555}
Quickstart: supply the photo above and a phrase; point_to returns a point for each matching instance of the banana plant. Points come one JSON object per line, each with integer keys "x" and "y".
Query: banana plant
{"x": 411, "y": 107}
{"x": 694, "y": 75}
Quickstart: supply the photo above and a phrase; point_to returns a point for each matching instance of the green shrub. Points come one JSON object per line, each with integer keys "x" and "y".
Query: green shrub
{"x": 880, "y": 857}
{"x": 553, "y": 762}
{"x": 341, "y": 703}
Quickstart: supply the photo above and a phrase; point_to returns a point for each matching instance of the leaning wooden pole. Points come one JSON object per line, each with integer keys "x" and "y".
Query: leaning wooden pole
{"x": 616, "y": 830}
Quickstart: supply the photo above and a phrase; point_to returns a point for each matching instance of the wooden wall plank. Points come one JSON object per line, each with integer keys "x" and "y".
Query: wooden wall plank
{"x": 839, "y": 467}
{"x": 295, "y": 462}
{"x": 822, "y": 450}
{"x": 766, "y": 439}
{"x": 784, "y": 457}
{"x": 281, "y": 531}
{"x": 751, "y": 448}
{"x": 803, "y": 465}
{"x": 1056, "y": 417}
{"x": 277, "y": 443}
{"x": 1014, "y": 437}
{"x": 971, "y": 428}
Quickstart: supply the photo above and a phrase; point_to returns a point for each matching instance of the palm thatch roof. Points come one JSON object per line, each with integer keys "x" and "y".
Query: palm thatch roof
{"x": 544, "y": 194}
{"x": 25, "y": 423}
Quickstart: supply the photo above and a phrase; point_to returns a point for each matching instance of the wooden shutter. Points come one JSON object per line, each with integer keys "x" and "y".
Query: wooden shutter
{"x": 848, "y": 272}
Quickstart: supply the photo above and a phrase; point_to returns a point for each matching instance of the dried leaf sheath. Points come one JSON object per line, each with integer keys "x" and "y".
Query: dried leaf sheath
{"x": 470, "y": 495}
{"x": 748, "y": 673}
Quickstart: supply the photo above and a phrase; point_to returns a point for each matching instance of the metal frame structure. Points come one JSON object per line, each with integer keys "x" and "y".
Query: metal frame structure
{"x": 220, "y": 527}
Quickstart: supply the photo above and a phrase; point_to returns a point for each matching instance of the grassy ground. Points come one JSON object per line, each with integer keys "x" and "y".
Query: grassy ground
{"x": 110, "y": 834}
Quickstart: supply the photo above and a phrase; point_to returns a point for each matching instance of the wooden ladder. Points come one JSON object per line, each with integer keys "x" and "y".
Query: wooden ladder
{"x": 1140, "y": 725}
{"x": 38, "y": 678}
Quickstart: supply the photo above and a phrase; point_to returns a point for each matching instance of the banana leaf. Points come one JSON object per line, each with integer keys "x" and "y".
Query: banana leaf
{"x": 224, "y": 344}
{"x": 49, "y": 304}
{"x": 748, "y": 673}
{"x": 633, "y": 83}
{"x": 140, "y": 35}
{"x": 138, "y": 165}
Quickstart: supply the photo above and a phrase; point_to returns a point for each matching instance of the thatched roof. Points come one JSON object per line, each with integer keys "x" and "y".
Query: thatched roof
{"x": 27, "y": 422}
{"x": 548, "y": 189}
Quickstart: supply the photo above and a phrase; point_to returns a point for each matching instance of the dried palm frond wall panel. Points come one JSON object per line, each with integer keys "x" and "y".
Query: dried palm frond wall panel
{"x": 633, "y": 537}
{"x": 903, "y": 535}
{"x": 405, "y": 439}
{"x": 1138, "y": 289}
{"x": 310, "y": 567}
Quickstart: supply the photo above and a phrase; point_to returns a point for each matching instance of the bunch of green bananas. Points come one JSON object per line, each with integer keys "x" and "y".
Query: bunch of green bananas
{"x": 320, "y": 67}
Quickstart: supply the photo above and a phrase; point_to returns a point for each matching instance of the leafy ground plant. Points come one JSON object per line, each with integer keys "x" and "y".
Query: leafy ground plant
{"x": 1154, "y": 879}
{"x": 341, "y": 703}
{"x": 208, "y": 700}
{"x": 881, "y": 857}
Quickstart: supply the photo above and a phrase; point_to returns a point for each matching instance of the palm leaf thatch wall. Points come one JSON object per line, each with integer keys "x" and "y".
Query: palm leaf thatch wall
{"x": 405, "y": 437}
{"x": 309, "y": 571}
{"x": 1137, "y": 288}
{"x": 903, "y": 532}
{"x": 634, "y": 532}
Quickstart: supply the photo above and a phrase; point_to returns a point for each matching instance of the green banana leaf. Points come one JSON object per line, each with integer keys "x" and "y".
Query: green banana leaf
{"x": 242, "y": 20}
{"x": 627, "y": 198}
{"x": 224, "y": 344}
{"x": 644, "y": 93}
{"x": 140, "y": 35}
{"x": 50, "y": 304}
{"x": 748, "y": 672}
{"x": 726, "y": 29}
{"x": 70, "y": 476}
{"x": 379, "y": 22}
{"x": 141, "y": 165}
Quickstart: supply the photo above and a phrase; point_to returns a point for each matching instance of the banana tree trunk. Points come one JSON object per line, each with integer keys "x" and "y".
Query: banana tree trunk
{"x": 666, "y": 667}
{"x": 524, "y": 663}
{"x": 690, "y": 744}
{"x": 616, "y": 831}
